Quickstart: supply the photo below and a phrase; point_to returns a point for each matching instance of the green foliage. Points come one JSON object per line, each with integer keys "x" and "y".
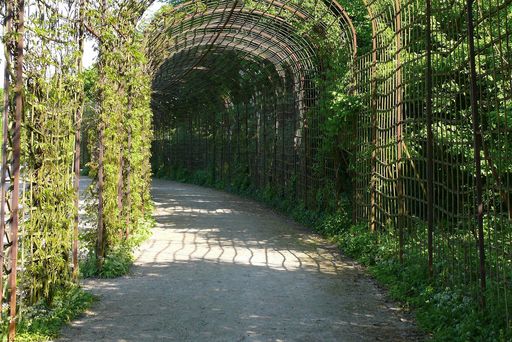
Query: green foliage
{"x": 119, "y": 258}
{"x": 118, "y": 94}
{"x": 117, "y": 263}
{"x": 448, "y": 313}
{"x": 342, "y": 114}
{"x": 51, "y": 98}
{"x": 42, "y": 321}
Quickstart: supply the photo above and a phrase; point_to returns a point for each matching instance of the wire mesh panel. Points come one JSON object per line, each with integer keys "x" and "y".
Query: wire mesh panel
{"x": 491, "y": 29}
{"x": 444, "y": 87}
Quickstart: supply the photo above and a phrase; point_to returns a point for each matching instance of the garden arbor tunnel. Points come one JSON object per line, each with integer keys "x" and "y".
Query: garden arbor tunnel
{"x": 395, "y": 115}
{"x": 392, "y": 106}
{"x": 239, "y": 85}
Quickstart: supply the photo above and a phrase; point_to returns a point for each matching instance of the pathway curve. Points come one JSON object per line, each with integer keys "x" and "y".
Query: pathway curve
{"x": 222, "y": 268}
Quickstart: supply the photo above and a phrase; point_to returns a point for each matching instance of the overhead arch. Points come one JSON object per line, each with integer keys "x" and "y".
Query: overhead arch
{"x": 201, "y": 27}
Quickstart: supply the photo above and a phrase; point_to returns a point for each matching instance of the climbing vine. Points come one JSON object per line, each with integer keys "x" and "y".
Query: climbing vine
{"x": 45, "y": 104}
{"x": 120, "y": 145}
{"x": 52, "y": 96}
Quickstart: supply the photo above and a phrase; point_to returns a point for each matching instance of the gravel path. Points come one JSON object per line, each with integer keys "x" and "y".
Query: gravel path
{"x": 222, "y": 268}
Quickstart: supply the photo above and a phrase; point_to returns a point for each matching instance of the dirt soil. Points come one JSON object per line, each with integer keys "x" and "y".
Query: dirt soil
{"x": 222, "y": 268}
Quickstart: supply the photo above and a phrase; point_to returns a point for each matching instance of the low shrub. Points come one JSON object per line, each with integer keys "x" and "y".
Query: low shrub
{"x": 118, "y": 260}
{"x": 42, "y": 322}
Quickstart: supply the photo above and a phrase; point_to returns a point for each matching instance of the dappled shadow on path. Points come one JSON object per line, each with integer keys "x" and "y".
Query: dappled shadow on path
{"x": 222, "y": 268}
{"x": 226, "y": 228}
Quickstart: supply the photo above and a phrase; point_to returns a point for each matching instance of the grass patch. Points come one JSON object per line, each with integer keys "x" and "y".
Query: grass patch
{"x": 42, "y": 322}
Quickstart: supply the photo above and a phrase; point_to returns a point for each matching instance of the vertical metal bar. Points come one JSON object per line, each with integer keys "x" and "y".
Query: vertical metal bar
{"x": 120, "y": 185}
{"x": 5, "y": 141}
{"x": 284, "y": 107}
{"x": 16, "y": 155}
{"x": 100, "y": 250}
{"x": 120, "y": 180}
{"x": 238, "y": 128}
{"x": 78, "y": 139}
{"x": 190, "y": 144}
{"x": 399, "y": 128}
{"x": 230, "y": 143}
{"x": 264, "y": 175}
{"x": 276, "y": 135}
{"x": 128, "y": 173}
{"x": 246, "y": 136}
{"x": 430, "y": 139}
{"x": 214, "y": 136}
{"x": 477, "y": 140}
{"x": 100, "y": 238}
{"x": 373, "y": 189}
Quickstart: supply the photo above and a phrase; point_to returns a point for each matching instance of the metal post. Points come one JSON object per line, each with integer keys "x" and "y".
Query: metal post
{"x": 430, "y": 140}
{"x": 477, "y": 140}
{"x": 373, "y": 189}
{"x": 100, "y": 245}
{"x": 128, "y": 172}
{"x": 100, "y": 242}
{"x": 5, "y": 142}
{"x": 399, "y": 129}
{"x": 16, "y": 155}
{"x": 78, "y": 140}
